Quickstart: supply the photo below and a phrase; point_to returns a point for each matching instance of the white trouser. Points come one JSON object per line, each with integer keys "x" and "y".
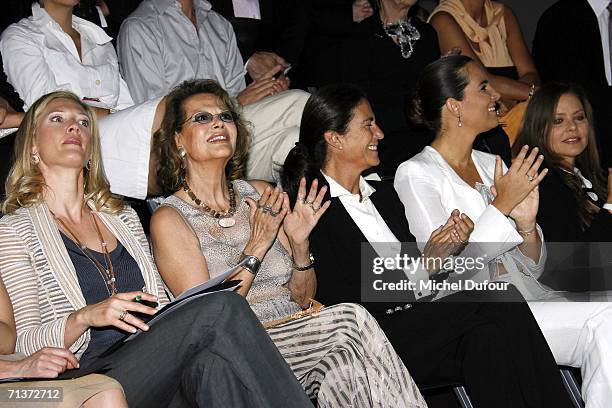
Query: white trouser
{"x": 579, "y": 334}
{"x": 276, "y": 127}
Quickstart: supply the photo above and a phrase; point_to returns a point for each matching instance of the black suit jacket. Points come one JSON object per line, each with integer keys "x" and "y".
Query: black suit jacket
{"x": 567, "y": 48}
{"x": 578, "y": 260}
{"x": 282, "y": 29}
{"x": 336, "y": 246}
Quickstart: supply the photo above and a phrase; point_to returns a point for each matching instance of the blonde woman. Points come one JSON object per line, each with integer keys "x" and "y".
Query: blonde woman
{"x": 77, "y": 268}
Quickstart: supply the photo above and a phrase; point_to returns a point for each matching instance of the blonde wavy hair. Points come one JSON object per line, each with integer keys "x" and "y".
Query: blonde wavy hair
{"x": 25, "y": 183}
{"x": 170, "y": 167}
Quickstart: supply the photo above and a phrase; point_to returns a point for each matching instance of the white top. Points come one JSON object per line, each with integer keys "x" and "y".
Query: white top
{"x": 374, "y": 228}
{"x": 430, "y": 190}
{"x": 602, "y": 13}
{"x": 39, "y": 57}
{"x": 247, "y": 8}
{"x": 159, "y": 47}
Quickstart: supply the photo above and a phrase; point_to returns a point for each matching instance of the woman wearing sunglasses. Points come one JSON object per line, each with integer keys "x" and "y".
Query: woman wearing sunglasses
{"x": 213, "y": 219}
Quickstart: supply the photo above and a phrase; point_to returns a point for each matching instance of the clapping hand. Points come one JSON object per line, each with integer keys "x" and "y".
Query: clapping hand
{"x": 362, "y": 9}
{"x": 306, "y": 212}
{"x": 266, "y": 85}
{"x": 449, "y": 239}
{"x": 267, "y": 215}
{"x": 517, "y": 184}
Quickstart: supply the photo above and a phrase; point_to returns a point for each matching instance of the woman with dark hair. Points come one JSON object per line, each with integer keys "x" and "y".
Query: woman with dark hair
{"x": 456, "y": 99}
{"x": 213, "y": 219}
{"x": 338, "y": 140}
{"x": 489, "y": 33}
{"x": 560, "y": 122}
{"x": 79, "y": 274}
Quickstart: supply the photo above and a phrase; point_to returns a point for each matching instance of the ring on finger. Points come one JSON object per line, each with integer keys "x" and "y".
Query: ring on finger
{"x": 530, "y": 178}
{"x": 267, "y": 209}
{"x": 123, "y": 315}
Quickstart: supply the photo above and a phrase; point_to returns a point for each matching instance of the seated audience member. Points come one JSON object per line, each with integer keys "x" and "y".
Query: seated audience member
{"x": 489, "y": 33}
{"x": 338, "y": 140}
{"x": 214, "y": 218}
{"x": 571, "y": 44}
{"x": 268, "y": 32}
{"x": 398, "y": 47}
{"x": 165, "y": 42}
{"x": 53, "y": 50}
{"x": 504, "y": 204}
{"x": 90, "y": 391}
{"x": 75, "y": 261}
{"x": 560, "y": 122}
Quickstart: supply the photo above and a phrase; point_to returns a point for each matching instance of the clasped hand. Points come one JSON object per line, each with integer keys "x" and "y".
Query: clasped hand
{"x": 448, "y": 239}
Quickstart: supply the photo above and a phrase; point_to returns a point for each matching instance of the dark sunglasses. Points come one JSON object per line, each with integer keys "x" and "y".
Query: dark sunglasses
{"x": 207, "y": 117}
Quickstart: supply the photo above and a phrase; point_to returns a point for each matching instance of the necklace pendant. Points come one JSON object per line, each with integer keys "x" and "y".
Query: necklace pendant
{"x": 227, "y": 222}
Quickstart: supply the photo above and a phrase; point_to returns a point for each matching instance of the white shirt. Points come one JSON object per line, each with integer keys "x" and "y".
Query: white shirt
{"x": 39, "y": 57}
{"x": 602, "y": 13}
{"x": 373, "y": 226}
{"x": 430, "y": 190}
{"x": 247, "y": 9}
{"x": 159, "y": 48}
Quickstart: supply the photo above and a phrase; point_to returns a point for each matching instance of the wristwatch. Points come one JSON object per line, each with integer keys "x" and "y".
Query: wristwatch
{"x": 251, "y": 263}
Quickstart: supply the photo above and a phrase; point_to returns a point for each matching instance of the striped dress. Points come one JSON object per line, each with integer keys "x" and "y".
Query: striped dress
{"x": 340, "y": 355}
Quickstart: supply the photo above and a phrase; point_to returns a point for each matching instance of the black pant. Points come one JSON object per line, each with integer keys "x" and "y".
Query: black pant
{"x": 212, "y": 352}
{"x": 496, "y": 350}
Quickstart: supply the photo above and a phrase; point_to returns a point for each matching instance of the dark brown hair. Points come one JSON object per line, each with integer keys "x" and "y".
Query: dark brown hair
{"x": 170, "y": 169}
{"x": 536, "y": 131}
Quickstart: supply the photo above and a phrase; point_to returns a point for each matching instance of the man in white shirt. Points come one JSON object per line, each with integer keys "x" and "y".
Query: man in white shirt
{"x": 165, "y": 42}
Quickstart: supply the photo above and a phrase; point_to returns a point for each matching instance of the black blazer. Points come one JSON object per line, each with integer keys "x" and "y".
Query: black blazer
{"x": 577, "y": 261}
{"x": 567, "y": 48}
{"x": 336, "y": 246}
{"x": 282, "y": 29}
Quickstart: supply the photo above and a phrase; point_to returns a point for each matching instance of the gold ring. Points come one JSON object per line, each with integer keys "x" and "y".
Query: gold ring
{"x": 123, "y": 315}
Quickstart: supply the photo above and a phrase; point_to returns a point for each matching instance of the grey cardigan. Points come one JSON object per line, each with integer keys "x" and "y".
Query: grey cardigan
{"x": 41, "y": 280}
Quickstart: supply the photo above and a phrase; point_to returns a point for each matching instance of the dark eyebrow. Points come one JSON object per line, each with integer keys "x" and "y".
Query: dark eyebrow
{"x": 485, "y": 82}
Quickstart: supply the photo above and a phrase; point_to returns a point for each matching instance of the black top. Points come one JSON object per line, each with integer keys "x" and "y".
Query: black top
{"x": 282, "y": 28}
{"x": 336, "y": 244}
{"x": 577, "y": 260}
{"x": 128, "y": 279}
{"x": 373, "y": 61}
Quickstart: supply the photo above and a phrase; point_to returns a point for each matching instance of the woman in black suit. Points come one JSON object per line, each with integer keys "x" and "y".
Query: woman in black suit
{"x": 575, "y": 200}
{"x": 439, "y": 342}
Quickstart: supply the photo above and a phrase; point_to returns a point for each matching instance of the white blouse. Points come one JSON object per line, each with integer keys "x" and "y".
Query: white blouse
{"x": 39, "y": 57}
{"x": 430, "y": 190}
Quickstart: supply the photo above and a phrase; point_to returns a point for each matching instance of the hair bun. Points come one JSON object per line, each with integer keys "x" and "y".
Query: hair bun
{"x": 414, "y": 110}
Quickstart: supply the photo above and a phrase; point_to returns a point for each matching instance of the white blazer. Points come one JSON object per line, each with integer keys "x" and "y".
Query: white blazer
{"x": 430, "y": 190}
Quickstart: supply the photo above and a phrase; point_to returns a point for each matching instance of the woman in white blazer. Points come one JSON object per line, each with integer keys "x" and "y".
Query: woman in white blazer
{"x": 455, "y": 100}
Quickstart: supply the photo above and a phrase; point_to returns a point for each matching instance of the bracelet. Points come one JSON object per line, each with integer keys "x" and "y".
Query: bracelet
{"x": 531, "y": 91}
{"x": 251, "y": 263}
{"x": 302, "y": 268}
{"x": 527, "y": 233}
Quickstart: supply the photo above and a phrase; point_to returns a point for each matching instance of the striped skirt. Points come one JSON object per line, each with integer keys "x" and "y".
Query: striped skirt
{"x": 343, "y": 359}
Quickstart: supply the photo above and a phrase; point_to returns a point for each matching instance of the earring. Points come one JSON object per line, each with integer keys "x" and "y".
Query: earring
{"x": 182, "y": 152}
{"x": 459, "y": 123}
{"x": 88, "y": 165}
{"x": 35, "y": 158}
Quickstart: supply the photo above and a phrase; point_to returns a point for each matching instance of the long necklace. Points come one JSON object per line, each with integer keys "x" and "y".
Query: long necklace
{"x": 224, "y": 218}
{"x": 403, "y": 34}
{"x": 108, "y": 273}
